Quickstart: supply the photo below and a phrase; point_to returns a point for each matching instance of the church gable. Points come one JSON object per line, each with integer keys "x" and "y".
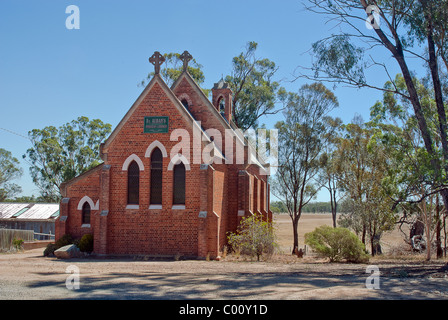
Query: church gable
{"x": 192, "y": 97}
{"x": 152, "y": 117}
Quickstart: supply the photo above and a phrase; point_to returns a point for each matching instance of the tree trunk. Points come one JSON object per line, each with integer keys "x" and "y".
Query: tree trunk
{"x": 444, "y": 235}
{"x": 375, "y": 245}
{"x": 334, "y": 206}
{"x": 295, "y": 247}
{"x": 439, "y": 250}
{"x": 363, "y": 237}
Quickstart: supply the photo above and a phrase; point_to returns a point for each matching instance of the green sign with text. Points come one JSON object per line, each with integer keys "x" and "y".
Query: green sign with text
{"x": 156, "y": 125}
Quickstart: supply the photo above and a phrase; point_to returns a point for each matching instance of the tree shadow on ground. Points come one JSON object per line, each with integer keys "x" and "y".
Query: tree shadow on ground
{"x": 410, "y": 283}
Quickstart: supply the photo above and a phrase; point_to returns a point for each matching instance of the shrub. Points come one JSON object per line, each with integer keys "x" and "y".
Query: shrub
{"x": 254, "y": 237}
{"x": 86, "y": 243}
{"x": 65, "y": 240}
{"x": 49, "y": 250}
{"x": 336, "y": 244}
{"x": 17, "y": 244}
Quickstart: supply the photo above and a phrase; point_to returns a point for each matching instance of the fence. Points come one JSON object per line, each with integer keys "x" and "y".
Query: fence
{"x": 8, "y": 235}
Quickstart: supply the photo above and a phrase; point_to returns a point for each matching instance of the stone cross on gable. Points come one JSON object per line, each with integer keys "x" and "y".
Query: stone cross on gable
{"x": 157, "y": 59}
{"x": 185, "y": 57}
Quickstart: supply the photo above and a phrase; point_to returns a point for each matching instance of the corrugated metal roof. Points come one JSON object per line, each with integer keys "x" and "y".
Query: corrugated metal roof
{"x": 7, "y": 210}
{"x": 35, "y": 211}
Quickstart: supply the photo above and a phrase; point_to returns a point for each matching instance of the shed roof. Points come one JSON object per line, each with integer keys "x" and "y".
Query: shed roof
{"x": 29, "y": 211}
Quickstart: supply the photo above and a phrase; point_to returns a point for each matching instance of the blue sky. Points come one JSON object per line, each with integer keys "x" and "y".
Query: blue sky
{"x": 50, "y": 75}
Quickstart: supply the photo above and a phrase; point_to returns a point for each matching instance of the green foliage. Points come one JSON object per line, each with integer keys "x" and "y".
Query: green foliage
{"x": 254, "y": 237}
{"x": 311, "y": 207}
{"x": 278, "y": 207}
{"x": 60, "y": 154}
{"x": 336, "y": 244}
{"x": 86, "y": 243}
{"x": 255, "y": 93}
{"x": 9, "y": 170}
{"x": 17, "y": 244}
{"x": 49, "y": 250}
{"x": 65, "y": 240}
{"x": 340, "y": 59}
{"x": 301, "y": 139}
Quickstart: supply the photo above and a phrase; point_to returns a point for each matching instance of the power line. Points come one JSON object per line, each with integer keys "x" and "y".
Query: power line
{"x": 42, "y": 142}
{"x": 15, "y": 133}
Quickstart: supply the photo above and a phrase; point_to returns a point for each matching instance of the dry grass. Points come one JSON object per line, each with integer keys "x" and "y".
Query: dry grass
{"x": 307, "y": 223}
{"x": 392, "y": 242}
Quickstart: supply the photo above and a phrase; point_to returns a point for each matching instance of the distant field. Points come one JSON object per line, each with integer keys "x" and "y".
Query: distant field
{"x": 309, "y": 221}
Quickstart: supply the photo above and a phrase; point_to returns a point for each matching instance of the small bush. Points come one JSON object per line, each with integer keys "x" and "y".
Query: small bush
{"x": 49, "y": 250}
{"x": 254, "y": 237}
{"x": 336, "y": 244}
{"x": 86, "y": 243}
{"x": 17, "y": 244}
{"x": 65, "y": 240}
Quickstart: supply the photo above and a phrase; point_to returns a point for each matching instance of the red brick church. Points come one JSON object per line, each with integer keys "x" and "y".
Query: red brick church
{"x": 176, "y": 176}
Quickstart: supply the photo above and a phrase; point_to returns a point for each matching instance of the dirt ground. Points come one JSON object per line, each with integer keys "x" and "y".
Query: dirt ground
{"x": 29, "y": 275}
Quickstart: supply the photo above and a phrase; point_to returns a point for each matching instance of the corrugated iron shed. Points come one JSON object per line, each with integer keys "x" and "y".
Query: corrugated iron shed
{"x": 29, "y": 211}
{"x": 7, "y": 210}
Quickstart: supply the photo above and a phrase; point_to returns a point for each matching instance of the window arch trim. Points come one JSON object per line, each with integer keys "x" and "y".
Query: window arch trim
{"x": 152, "y": 146}
{"x": 128, "y": 161}
{"x": 93, "y": 206}
{"x": 178, "y": 158}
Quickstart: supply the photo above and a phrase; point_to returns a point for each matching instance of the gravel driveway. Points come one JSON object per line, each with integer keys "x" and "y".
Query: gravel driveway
{"x": 29, "y": 275}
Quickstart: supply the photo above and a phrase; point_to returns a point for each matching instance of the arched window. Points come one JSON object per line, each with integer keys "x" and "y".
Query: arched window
{"x": 185, "y": 103}
{"x": 133, "y": 183}
{"x": 156, "y": 177}
{"x": 222, "y": 105}
{"x": 179, "y": 184}
{"x": 85, "y": 213}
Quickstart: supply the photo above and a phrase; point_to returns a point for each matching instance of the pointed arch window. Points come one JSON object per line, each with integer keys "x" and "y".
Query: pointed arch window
{"x": 86, "y": 213}
{"x": 185, "y": 103}
{"x": 179, "y": 184}
{"x": 133, "y": 183}
{"x": 222, "y": 105}
{"x": 156, "y": 177}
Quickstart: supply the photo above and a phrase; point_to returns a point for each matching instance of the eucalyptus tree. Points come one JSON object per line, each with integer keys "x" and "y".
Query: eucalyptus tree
{"x": 9, "y": 171}
{"x": 405, "y": 29}
{"x": 362, "y": 165}
{"x": 60, "y": 154}
{"x": 255, "y": 91}
{"x": 301, "y": 138}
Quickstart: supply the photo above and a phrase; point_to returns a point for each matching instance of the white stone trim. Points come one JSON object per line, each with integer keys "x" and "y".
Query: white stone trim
{"x": 152, "y": 146}
{"x": 132, "y": 207}
{"x": 178, "y": 207}
{"x": 155, "y": 206}
{"x": 87, "y": 199}
{"x": 178, "y": 158}
{"x": 133, "y": 157}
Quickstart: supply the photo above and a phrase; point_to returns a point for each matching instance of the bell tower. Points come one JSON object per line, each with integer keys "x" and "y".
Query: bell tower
{"x": 222, "y": 99}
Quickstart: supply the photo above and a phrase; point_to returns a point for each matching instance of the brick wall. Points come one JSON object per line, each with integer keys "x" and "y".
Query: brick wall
{"x": 220, "y": 190}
